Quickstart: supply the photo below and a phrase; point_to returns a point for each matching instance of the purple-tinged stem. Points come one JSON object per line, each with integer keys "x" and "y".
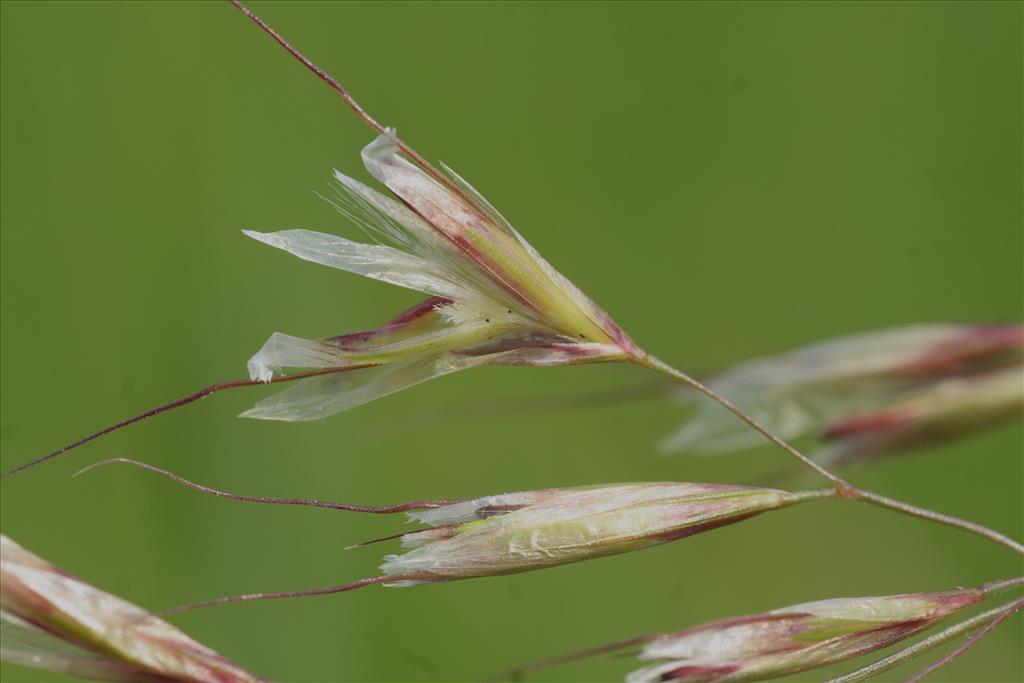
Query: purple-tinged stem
{"x": 340, "y": 89}
{"x": 494, "y": 269}
{"x": 252, "y": 597}
{"x": 935, "y": 666}
{"x": 308, "y": 502}
{"x": 191, "y": 398}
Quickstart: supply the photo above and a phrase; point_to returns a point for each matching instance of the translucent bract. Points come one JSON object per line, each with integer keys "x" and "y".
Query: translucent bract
{"x": 793, "y": 639}
{"x": 520, "y": 532}
{"x": 878, "y": 380}
{"x": 494, "y": 299}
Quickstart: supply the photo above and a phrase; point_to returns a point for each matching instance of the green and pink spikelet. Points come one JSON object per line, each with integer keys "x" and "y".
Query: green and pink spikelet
{"x": 944, "y": 411}
{"x": 868, "y": 393}
{"x": 494, "y": 299}
{"x": 525, "y": 531}
{"x": 517, "y": 532}
{"x": 794, "y": 639}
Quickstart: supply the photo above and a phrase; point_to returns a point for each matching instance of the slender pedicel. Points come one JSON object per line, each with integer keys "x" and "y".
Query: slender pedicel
{"x": 340, "y": 89}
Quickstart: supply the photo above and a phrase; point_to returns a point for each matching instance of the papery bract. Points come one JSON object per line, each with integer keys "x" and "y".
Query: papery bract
{"x": 809, "y": 390}
{"x": 494, "y": 299}
{"x": 520, "y": 532}
{"x": 943, "y": 411}
{"x": 794, "y": 639}
{"x": 516, "y": 532}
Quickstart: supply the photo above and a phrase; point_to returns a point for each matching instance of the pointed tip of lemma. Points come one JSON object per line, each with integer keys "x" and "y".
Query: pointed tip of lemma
{"x": 256, "y": 235}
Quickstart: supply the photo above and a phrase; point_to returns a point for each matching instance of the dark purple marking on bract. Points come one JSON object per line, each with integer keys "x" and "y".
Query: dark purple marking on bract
{"x": 419, "y": 310}
{"x": 977, "y": 349}
{"x": 731, "y": 622}
{"x": 869, "y": 424}
{"x": 492, "y": 270}
{"x": 519, "y": 340}
{"x": 344, "y": 341}
{"x": 613, "y": 330}
{"x": 694, "y": 673}
{"x": 677, "y": 534}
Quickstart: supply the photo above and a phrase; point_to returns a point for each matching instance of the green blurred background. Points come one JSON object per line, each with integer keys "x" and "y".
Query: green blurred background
{"x": 727, "y": 180}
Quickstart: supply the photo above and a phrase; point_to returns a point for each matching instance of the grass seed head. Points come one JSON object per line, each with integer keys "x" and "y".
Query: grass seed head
{"x": 493, "y": 298}
{"x": 794, "y": 639}
{"x": 872, "y": 381}
{"x": 524, "y": 531}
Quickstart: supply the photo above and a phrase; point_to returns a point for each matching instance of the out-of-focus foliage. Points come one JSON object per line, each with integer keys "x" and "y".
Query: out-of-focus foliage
{"x": 868, "y": 394}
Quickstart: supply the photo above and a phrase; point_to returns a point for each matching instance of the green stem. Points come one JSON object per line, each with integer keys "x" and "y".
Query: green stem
{"x": 843, "y": 488}
{"x": 930, "y": 643}
{"x": 816, "y": 494}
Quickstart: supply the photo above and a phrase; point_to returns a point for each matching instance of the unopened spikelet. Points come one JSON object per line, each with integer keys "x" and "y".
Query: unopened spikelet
{"x": 54, "y": 621}
{"x": 902, "y": 384}
{"x": 794, "y": 639}
{"x": 524, "y": 531}
{"x": 517, "y": 532}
